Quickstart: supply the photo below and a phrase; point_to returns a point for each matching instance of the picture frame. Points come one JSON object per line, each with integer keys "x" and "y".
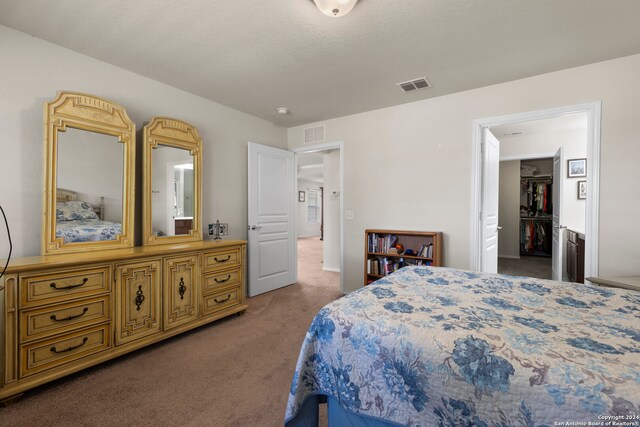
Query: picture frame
{"x": 582, "y": 190}
{"x": 301, "y": 195}
{"x": 576, "y": 168}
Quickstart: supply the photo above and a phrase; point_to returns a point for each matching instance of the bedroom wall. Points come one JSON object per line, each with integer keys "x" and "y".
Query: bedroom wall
{"x": 34, "y": 70}
{"x": 331, "y": 178}
{"x": 304, "y": 228}
{"x": 409, "y": 166}
{"x": 509, "y": 209}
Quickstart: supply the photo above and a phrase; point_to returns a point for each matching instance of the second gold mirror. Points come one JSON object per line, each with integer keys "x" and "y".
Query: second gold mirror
{"x": 172, "y": 182}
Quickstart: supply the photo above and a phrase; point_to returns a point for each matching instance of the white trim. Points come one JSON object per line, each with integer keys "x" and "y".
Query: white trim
{"x": 335, "y": 270}
{"x": 526, "y": 156}
{"x": 337, "y": 145}
{"x": 593, "y": 110}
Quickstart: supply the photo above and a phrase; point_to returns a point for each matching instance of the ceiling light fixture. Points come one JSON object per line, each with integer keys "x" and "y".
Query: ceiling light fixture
{"x": 282, "y": 110}
{"x": 335, "y": 8}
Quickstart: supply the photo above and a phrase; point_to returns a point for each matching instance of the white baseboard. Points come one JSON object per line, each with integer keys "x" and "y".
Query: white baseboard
{"x": 335, "y": 270}
{"x": 509, "y": 256}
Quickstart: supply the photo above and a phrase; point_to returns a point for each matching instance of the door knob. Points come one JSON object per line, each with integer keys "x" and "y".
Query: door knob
{"x": 256, "y": 227}
{"x": 498, "y": 227}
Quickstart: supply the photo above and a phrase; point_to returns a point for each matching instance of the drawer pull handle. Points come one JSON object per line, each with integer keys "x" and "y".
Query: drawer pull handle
{"x": 224, "y": 300}
{"x": 84, "y": 310}
{"x": 84, "y": 341}
{"x": 182, "y": 288}
{"x": 223, "y": 280}
{"x": 139, "y": 298}
{"x": 223, "y": 260}
{"x": 54, "y": 286}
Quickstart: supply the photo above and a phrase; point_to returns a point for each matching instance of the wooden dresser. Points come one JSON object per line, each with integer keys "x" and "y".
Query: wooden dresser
{"x": 64, "y": 313}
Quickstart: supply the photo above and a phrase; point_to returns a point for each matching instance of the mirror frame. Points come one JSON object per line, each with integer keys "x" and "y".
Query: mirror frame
{"x": 178, "y": 134}
{"x": 92, "y": 114}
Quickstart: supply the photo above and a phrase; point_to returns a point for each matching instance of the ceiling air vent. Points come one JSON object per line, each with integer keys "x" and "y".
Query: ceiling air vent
{"x": 314, "y": 134}
{"x": 411, "y": 85}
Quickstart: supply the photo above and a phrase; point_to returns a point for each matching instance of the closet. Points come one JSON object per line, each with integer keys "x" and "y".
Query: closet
{"x": 536, "y": 209}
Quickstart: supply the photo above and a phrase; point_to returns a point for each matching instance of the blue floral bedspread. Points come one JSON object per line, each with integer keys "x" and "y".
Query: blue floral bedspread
{"x": 87, "y": 230}
{"x": 431, "y": 346}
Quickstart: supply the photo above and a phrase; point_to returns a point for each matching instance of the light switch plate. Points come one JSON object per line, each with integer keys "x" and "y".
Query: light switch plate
{"x": 348, "y": 215}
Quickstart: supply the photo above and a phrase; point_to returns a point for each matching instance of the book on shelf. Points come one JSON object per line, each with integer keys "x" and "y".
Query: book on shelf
{"x": 381, "y": 243}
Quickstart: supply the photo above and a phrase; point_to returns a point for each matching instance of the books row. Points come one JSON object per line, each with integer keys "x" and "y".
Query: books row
{"x": 384, "y": 266}
{"x": 380, "y": 243}
{"x": 426, "y": 251}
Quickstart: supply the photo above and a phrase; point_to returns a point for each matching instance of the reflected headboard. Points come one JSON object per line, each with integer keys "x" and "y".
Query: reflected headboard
{"x": 63, "y": 195}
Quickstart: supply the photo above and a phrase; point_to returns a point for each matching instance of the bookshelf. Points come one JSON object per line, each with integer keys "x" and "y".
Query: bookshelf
{"x": 381, "y": 260}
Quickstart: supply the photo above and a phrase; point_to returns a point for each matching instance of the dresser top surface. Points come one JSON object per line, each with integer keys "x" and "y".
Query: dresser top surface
{"x": 18, "y": 265}
{"x": 625, "y": 282}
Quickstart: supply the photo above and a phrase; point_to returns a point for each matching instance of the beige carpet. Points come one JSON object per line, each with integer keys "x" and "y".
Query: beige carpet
{"x": 234, "y": 372}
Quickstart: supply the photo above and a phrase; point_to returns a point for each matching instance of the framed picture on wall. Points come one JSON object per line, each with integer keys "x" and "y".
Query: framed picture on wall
{"x": 301, "y": 196}
{"x": 582, "y": 189}
{"x": 576, "y": 168}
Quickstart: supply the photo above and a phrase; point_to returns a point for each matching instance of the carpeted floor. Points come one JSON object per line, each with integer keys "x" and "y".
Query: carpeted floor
{"x": 234, "y": 372}
{"x": 530, "y": 266}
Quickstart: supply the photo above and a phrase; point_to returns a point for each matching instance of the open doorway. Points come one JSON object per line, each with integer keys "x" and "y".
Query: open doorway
{"x": 570, "y": 135}
{"x": 318, "y": 217}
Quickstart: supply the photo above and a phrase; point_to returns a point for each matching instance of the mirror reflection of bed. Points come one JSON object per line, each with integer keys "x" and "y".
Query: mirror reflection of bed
{"x": 89, "y": 186}
{"x": 79, "y": 221}
{"x": 173, "y": 187}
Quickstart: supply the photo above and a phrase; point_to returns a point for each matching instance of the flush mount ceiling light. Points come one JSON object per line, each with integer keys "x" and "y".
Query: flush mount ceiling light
{"x": 335, "y": 8}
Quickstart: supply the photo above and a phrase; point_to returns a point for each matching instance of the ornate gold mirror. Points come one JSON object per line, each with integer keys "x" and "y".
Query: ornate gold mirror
{"x": 172, "y": 182}
{"x": 89, "y": 175}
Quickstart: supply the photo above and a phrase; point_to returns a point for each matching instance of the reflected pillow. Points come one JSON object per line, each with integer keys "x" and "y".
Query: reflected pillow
{"x": 75, "y": 210}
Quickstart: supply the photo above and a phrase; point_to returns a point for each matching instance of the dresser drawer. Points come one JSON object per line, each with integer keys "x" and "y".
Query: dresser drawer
{"x": 221, "y": 300}
{"x": 63, "y": 285}
{"x": 214, "y": 281}
{"x": 48, "y": 321}
{"x": 42, "y": 355}
{"x": 223, "y": 258}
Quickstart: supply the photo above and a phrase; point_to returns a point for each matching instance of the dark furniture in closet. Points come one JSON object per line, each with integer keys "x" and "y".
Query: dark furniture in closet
{"x": 575, "y": 256}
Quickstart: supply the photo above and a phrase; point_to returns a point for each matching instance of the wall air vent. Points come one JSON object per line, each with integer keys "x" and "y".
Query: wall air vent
{"x": 411, "y": 85}
{"x": 314, "y": 134}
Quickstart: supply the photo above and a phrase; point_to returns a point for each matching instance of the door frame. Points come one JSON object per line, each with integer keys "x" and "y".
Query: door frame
{"x": 593, "y": 110}
{"x": 338, "y": 145}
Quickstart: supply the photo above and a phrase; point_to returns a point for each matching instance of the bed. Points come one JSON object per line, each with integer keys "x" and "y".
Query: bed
{"x": 433, "y": 346}
{"x": 78, "y": 221}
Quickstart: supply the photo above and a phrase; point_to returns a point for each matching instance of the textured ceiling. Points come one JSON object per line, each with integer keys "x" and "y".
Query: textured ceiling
{"x": 257, "y": 55}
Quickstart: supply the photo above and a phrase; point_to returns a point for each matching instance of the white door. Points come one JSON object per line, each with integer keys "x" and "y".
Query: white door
{"x": 490, "y": 190}
{"x": 271, "y": 215}
{"x": 556, "y": 233}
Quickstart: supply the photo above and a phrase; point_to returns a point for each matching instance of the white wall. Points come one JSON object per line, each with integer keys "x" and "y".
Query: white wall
{"x": 304, "y": 229}
{"x": 509, "y": 209}
{"x": 331, "y": 178}
{"x": 409, "y": 166}
{"x": 33, "y": 71}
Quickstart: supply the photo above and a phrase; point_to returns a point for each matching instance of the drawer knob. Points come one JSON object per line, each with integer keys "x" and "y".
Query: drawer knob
{"x": 223, "y": 260}
{"x": 223, "y": 280}
{"x": 84, "y": 341}
{"x": 139, "y": 298}
{"x": 54, "y": 286}
{"x": 182, "y": 288}
{"x": 84, "y": 310}
{"x": 224, "y": 300}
